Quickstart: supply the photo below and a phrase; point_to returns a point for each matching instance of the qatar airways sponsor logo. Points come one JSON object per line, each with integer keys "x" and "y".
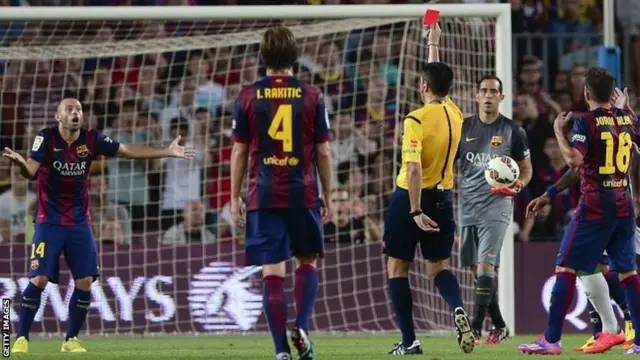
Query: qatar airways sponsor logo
{"x": 155, "y": 290}
{"x": 220, "y": 297}
{"x": 70, "y": 168}
{"x": 480, "y": 159}
{"x": 574, "y": 313}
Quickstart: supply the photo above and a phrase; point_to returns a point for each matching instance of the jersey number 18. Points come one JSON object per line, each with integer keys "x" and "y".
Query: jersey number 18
{"x": 619, "y": 160}
{"x": 280, "y": 128}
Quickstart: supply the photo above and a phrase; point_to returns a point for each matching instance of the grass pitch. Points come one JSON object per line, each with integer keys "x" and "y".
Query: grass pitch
{"x": 346, "y": 347}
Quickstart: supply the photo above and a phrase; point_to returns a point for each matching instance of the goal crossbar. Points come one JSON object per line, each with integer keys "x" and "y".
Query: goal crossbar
{"x": 282, "y": 12}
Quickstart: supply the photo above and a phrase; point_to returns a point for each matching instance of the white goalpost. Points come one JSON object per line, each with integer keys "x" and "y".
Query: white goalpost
{"x": 171, "y": 261}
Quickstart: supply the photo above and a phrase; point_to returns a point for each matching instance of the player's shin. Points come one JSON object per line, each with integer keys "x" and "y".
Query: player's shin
{"x": 631, "y": 285}
{"x": 78, "y": 308}
{"x": 484, "y": 293}
{"x": 305, "y": 290}
{"x": 494, "y": 309}
{"x": 30, "y": 303}
{"x": 449, "y": 288}
{"x": 594, "y": 318}
{"x": 402, "y": 301}
{"x": 561, "y": 299}
{"x": 616, "y": 292}
{"x": 597, "y": 291}
{"x": 275, "y": 309}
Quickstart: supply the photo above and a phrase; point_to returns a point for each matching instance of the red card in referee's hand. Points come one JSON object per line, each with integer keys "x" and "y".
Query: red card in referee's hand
{"x": 430, "y": 17}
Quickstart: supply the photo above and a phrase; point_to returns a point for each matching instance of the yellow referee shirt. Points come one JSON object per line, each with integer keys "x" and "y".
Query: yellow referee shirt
{"x": 431, "y": 136}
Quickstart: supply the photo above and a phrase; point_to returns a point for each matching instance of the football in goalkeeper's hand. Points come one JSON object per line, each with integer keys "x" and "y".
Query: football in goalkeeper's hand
{"x": 502, "y": 171}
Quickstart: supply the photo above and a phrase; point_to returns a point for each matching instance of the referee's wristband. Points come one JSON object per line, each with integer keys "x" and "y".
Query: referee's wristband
{"x": 415, "y": 213}
{"x": 552, "y": 191}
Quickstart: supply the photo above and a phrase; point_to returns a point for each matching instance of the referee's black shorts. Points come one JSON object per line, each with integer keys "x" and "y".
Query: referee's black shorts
{"x": 402, "y": 235}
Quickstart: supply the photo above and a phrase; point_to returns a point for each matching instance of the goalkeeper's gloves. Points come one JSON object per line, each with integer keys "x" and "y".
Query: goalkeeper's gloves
{"x": 512, "y": 190}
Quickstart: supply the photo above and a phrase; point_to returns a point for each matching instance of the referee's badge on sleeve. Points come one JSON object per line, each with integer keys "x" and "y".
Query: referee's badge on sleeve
{"x": 37, "y": 142}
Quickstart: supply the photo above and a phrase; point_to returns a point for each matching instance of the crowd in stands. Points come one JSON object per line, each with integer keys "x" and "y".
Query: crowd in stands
{"x": 154, "y": 97}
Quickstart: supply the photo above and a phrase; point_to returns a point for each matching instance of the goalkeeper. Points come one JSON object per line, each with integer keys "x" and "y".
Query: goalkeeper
{"x": 485, "y": 213}
{"x": 421, "y": 208}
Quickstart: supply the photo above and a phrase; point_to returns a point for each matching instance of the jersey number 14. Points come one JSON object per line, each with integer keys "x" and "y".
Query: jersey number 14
{"x": 280, "y": 128}
{"x": 619, "y": 160}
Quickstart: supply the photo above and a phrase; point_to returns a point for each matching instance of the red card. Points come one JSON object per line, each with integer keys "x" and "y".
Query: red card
{"x": 431, "y": 17}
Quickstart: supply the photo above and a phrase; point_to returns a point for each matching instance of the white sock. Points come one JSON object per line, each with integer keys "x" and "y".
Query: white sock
{"x": 597, "y": 292}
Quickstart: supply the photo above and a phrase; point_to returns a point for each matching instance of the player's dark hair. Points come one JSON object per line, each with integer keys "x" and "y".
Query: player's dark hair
{"x": 439, "y": 78}
{"x": 278, "y": 48}
{"x": 491, "y": 77}
{"x": 600, "y": 84}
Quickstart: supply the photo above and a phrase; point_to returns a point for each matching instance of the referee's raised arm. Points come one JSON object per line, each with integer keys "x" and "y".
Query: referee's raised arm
{"x": 433, "y": 42}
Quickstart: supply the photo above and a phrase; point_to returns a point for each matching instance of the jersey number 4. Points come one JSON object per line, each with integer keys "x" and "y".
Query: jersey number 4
{"x": 618, "y": 159}
{"x": 280, "y": 128}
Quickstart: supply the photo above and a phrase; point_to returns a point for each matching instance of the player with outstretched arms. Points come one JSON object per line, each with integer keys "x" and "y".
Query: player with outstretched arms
{"x": 600, "y": 146}
{"x": 485, "y": 212}
{"x": 59, "y": 161}
{"x": 281, "y": 125}
{"x": 421, "y": 207}
{"x": 603, "y": 284}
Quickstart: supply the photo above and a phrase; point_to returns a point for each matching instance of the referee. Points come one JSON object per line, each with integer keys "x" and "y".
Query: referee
{"x": 421, "y": 208}
{"x": 485, "y": 212}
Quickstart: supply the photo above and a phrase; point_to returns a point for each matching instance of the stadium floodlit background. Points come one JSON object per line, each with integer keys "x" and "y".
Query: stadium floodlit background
{"x": 171, "y": 259}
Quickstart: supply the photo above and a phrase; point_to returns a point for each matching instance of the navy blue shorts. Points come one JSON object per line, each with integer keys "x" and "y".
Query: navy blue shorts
{"x": 585, "y": 241}
{"x": 77, "y": 244}
{"x": 276, "y": 235}
{"x": 402, "y": 235}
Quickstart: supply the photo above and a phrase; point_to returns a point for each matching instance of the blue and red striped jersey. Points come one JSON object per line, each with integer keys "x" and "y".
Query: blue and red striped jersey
{"x": 605, "y": 138}
{"x": 282, "y": 120}
{"x": 62, "y": 196}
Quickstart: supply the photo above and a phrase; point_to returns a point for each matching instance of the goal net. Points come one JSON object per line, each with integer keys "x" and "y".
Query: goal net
{"x": 170, "y": 258}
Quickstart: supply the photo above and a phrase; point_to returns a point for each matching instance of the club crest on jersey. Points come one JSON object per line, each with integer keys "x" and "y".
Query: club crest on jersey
{"x": 496, "y": 140}
{"x": 82, "y": 151}
{"x": 35, "y": 264}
